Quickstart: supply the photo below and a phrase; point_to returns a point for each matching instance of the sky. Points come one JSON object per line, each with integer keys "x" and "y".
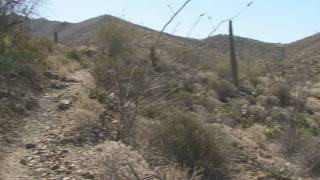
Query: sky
{"x": 277, "y": 21}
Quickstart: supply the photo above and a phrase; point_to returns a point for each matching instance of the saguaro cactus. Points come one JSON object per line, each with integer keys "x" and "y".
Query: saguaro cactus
{"x": 233, "y": 58}
{"x": 56, "y": 40}
{"x": 154, "y": 58}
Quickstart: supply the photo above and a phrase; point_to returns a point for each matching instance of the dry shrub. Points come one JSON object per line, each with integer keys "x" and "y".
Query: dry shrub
{"x": 310, "y": 153}
{"x": 282, "y": 92}
{"x": 174, "y": 172}
{"x": 60, "y": 64}
{"x": 114, "y": 38}
{"x": 187, "y": 141}
{"x": 86, "y": 128}
{"x": 77, "y": 56}
{"x": 225, "y": 90}
{"x": 115, "y": 160}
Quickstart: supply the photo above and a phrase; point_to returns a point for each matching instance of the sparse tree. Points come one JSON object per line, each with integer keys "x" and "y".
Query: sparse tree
{"x": 14, "y": 12}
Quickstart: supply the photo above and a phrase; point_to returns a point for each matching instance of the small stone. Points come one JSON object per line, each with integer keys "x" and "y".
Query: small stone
{"x": 55, "y": 167}
{"x": 64, "y": 104}
{"x": 88, "y": 175}
{"x": 23, "y": 162}
{"x": 57, "y": 85}
{"x": 40, "y": 170}
{"x": 30, "y": 146}
{"x": 65, "y": 151}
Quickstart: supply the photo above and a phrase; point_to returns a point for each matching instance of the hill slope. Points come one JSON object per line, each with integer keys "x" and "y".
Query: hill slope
{"x": 216, "y": 46}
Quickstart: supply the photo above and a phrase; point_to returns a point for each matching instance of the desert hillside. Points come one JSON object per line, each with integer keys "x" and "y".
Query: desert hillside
{"x": 105, "y": 103}
{"x": 84, "y": 32}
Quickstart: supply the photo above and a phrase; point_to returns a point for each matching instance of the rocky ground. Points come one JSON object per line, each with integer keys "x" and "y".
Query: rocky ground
{"x": 47, "y": 144}
{"x": 65, "y": 138}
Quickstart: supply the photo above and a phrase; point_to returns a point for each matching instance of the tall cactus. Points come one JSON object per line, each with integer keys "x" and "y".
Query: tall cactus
{"x": 233, "y": 58}
{"x": 154, "y": 58}
{"x": 56, "y": 40}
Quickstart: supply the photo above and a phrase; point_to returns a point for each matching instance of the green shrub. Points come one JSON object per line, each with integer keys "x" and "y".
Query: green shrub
{"x": 6, "y": 64}
{"x": 192, "y": 145}
{"x": 114, "y": 38}
{"x": 247, "y": 69}
{"x": 186, "y": 97}
{"x": 73, "y": 54}
{"x": 240, "y": 113}
{"x": 272, "y": 131}
{"x": 20, "y": 51}
{"x": 100, "y": 95}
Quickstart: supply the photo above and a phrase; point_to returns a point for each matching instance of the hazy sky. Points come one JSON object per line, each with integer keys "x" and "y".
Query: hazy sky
{"x": 267, "y": 20}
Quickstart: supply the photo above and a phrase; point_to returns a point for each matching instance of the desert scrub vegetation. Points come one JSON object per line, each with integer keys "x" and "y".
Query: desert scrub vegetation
{"x": 283, "y": 93}
{"x": 15, "y": 46}
{"x": 119, "y": 73}
{"x": 129, "y": 80}
{"x": 185, "y": 140}
{"x": 224, "y": 89}
{"x": 187, "y": 99}
{"x": 73, "y": 54}
{"x": 98, "y": 94}
{"x": 247, "y": 68}
{"x": 22, "y": 51}
{"x": 114, "y": 160}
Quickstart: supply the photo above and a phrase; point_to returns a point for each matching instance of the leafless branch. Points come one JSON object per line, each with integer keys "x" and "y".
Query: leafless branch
{"x": 170, "y": 20}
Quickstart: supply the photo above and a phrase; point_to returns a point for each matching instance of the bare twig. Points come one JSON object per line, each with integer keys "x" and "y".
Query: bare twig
{"x": 195, "y": 24}
{"x": 170, "y": 20}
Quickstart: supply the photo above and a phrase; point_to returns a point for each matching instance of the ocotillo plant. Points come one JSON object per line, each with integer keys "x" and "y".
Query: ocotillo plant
{"x": 233, "y": 58}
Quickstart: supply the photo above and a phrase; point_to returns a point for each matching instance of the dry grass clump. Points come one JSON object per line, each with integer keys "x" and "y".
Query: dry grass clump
{"x": 61, "y": 64}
